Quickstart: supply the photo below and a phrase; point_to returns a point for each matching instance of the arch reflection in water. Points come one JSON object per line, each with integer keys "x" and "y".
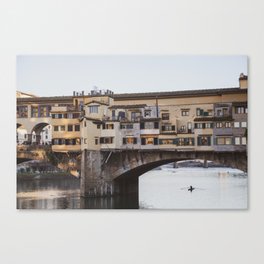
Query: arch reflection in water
{"x": 163, "y": 188}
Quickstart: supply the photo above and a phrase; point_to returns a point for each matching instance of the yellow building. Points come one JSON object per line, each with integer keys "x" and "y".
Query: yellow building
{"x": 66, "y": 134}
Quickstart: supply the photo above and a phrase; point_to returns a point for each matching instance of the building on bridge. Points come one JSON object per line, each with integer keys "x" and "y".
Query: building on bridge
{"x": 202, "y": 120}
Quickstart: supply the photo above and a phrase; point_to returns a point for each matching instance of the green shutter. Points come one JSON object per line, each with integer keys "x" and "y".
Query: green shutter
{"x": 209, "y": 141}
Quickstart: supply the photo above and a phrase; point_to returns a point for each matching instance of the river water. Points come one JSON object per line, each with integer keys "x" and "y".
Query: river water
{"x": 162, "y": 188}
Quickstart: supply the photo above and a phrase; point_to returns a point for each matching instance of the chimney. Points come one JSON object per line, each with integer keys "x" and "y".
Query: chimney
{"x": 243, "y": 81}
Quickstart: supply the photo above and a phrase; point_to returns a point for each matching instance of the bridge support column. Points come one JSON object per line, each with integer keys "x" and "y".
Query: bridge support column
{"x": 95, "y": 181}
{"x": 29, "y": 138}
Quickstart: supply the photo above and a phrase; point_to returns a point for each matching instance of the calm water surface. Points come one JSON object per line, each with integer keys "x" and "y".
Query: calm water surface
{"x": 165, "y": 188}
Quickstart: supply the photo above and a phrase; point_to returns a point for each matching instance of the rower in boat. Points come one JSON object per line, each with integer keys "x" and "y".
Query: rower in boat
{"x": 191, "y": 188}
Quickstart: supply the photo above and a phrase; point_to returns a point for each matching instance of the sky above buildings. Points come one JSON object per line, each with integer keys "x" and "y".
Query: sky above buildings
{"x": 61, "y": 75}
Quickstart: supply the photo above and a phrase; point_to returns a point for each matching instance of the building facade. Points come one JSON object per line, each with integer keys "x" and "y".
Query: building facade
{"x": 204, "y": 120}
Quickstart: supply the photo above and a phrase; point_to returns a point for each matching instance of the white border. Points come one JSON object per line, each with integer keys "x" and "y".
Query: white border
{"x": 131, "y": 27}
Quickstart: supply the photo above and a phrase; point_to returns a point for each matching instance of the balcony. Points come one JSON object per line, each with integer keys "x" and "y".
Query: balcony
{"x": 185, "y": 131}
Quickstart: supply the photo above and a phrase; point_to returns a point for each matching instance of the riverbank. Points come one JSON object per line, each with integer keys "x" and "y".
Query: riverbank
{"x": 46, "y": 176}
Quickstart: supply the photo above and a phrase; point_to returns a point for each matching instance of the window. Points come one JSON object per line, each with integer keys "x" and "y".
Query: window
{"x": 34, "y": 111}
{"x": 98, "y": 126}
{"x": 126, "y": 126}
{"x": 243, "y": 124}
{"x": 106, "y": 140}
{"x": 22, "y": 111}
{"x": 223, "y": 141}
{"x": 109, "y": 140}
{"x": 236, "y": 124}
{"x": 96, "y": 141}
{"x": 228, "y": 141}
{"x": 133, "y": 116}
{"x": 62, "y": 128}
{"x": 184, "y": 141}
{"x": 165, "y": 116}
{"x": 240, "y": 109}
{"x": 182, "y": 129}
{"x": 228, "y": 124}
{"x": 166, "y": 141}
{"x": 55, "y": 141}
{"x": 130, "y": 140}
{"x": 75, "y": 115}
{"x": 167, "y": 128}
{"x": 204, "y": 140}
{"x": 56, "y": 128}
{"x": 199, "y": 125}
{"x": 70, "y": 128}
{"x": 109, "y": 126}
{"x": 84, "y": 123}
{"x": 70, "y": 116}
{"x": 219, "y": 112}
{"x": 189, "y": 141}
{"x": 149, "y": 141}
{"x": 219, "y": 124}
{"x": 185, "y": 112}
{"x": 77, "y": 128}
{"x": 199, "y": 112}
{"x": 225, "y": 111}
{"x": 244, "y": 141}
{"x": 208, "y": 125}
{"x": 93, "y": 109}
{"x": 44, "y": 111}
{"x": 237, "y": 140}
{"x": 122, "y": 115}
{"x": 147, "y": 113}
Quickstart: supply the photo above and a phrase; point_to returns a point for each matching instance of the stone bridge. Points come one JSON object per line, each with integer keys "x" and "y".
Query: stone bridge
{"x": 106, "y": 173}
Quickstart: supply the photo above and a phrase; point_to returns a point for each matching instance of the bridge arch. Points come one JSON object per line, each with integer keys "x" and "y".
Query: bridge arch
{"x": 36, "y": 131}
{"x": 21, "y": 134}
{"x": 123, "y": 168}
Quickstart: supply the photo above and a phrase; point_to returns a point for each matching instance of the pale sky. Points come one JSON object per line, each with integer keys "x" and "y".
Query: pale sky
{"x": 61, "y": 75}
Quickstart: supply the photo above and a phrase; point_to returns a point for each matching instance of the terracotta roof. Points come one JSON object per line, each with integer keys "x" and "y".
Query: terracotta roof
{"x": 97, "y": 102}
{"x": 185, "y": 93}
{"x": 55, "y": 99}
